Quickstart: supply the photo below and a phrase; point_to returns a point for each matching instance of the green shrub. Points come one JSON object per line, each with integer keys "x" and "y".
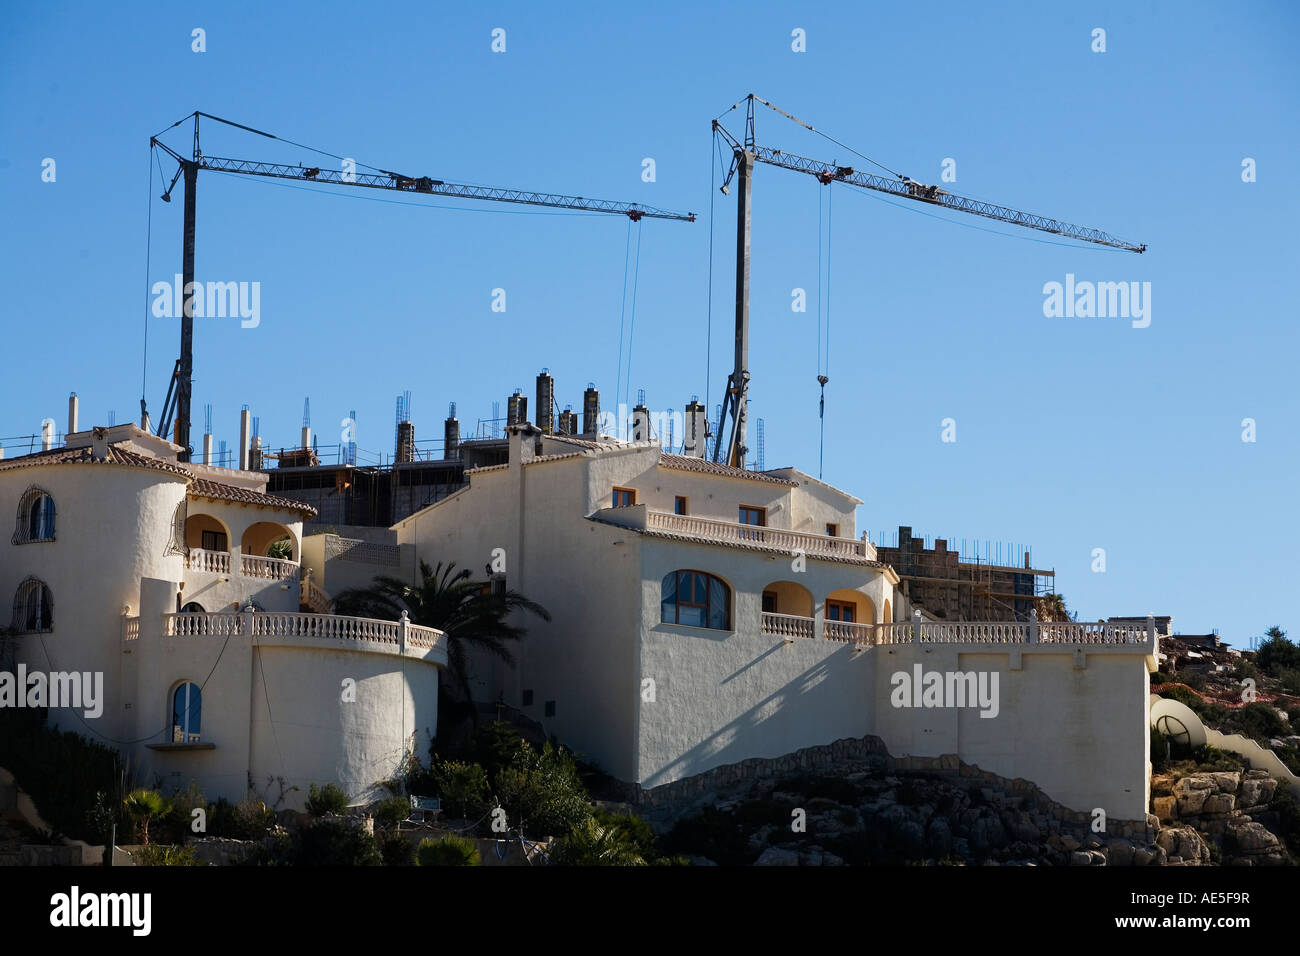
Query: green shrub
{"x": 249, "y": 819}
{"x": 389, "y": 813}
{"x": 1259, "y": 721}
{"x": 1194, "y": 679}
{"x": 177, "y": 825}
{"x": 497, "y": 746}
{"x": 449, "y": 851}
{"x": 1159, "y": 751}
{"x": 1159, "y": 677}
{"x": 1289, "y": 678}
{"x": 396, "y": 850}
{"x": 162, "y": 854}
{"x": 327, "y": 799}
{"x": 63, "y": 773}
{"x": 335, "y": 843}
{"x": 541, "y": 792}
{"x": 462, "y": 787}
{"x": 1277, "y": 653}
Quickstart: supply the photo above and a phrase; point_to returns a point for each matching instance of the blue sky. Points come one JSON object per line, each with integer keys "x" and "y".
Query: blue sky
{"x": 1072, "y": 434}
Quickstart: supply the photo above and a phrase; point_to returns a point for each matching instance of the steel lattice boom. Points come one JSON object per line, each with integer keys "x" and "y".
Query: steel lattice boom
{"x": 746, "y": 153}
{"x": 436, "y": 187}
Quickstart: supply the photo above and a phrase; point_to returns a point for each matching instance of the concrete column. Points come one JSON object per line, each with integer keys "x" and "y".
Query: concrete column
{"x": 916, "y": 627}
{"x": 1033, "y": 625}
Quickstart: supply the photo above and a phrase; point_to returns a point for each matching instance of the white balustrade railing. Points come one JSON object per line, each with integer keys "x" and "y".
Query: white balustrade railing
{"x": 787, "y": 625}
{"x": 268, "y": 569}
{"x": 274, "y": 624}
{"x": 895, "y": 632}
{"x": 197, "y": 559}
{"x": 732, "y": 532}
{"x": 316, "y": 598}
{"x": 131, "y": 629}
{"x": 975, "y": 632}
{"x": 849, "y": 632}
{"x": 1077, "y": 632}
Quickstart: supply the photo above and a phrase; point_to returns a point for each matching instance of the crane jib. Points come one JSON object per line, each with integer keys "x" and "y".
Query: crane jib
{"x": 385, "y": 179}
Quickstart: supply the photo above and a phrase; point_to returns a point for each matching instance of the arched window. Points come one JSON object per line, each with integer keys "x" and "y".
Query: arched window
{"x": 193, "y": 607}
{"x": 33, "y": 607}
{"x": 187, "y": 713}
{"x": 35, "y": 517}
{"x": 696, "y": 599}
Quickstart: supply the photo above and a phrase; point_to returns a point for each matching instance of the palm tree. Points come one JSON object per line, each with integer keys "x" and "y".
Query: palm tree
{"x": 143, "y": 806}
{"x": 470, "y": 612}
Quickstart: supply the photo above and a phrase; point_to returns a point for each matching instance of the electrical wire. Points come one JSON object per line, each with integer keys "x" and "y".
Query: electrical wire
{"x": 631, "y": 325}
{"x": 148, "y": 252}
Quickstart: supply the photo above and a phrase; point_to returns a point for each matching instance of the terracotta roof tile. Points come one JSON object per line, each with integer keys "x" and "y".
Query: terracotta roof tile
{"x": 688, "y": 463}
{"x": 200, "y": 487}
{"x": 219, "y": 491}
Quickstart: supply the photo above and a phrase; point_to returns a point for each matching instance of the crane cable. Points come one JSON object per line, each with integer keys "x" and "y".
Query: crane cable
{"x": 622, "y": 316}
{"x": 631, "y": 325}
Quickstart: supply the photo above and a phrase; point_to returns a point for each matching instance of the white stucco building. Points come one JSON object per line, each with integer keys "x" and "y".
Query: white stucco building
{"x": 158, "y": 576}
{"x": 703, "y": 614}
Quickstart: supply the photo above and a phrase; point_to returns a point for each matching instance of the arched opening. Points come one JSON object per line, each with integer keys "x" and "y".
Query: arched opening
{"x": 845, "y": 611}
{"x": 35, "y": 517}
{"x": 193, "y": 607}
{"x": 787, "y": 610}
{"x": 187, "y": 713}
{"x": 206, "y": 533}
{"x": 888, "y": 615}
{"x": 695, "y": 599}
{"x": 269, "y": 539}
{"x": 33, "y": 607}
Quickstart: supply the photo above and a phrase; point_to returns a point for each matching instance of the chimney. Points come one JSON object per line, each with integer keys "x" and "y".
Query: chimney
{"x": 695, "y": 441}
{"x": 405, "y": 443}
{"x": 451, "y": 435}
{"x": 72, "y": 412}
{"x": 546, "y": 402}
{"x": 590, "y": 411}
{"x": 568, "y": 422}
{"x": 640, "y": 423}
{"x": 207, "y": 449}
{"x": 245, "y": 423}
{"x": 99, "y": 445}
{"x": 47, "y": 434}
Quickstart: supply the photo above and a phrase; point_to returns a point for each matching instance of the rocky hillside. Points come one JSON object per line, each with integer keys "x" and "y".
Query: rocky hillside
{"x": 874, "y": 812}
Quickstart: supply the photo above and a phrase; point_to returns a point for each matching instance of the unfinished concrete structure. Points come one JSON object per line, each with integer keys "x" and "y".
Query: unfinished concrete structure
{"x": 951, "y": 589}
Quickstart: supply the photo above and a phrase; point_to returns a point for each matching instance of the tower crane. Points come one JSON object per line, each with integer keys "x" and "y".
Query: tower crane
{"x": 745, "y": 153}
{"x": 181, "y": 386}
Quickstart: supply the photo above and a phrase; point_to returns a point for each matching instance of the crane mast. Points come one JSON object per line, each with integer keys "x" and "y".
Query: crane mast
{"x": 180, "y": 388}
{"x": 745, "y": 154}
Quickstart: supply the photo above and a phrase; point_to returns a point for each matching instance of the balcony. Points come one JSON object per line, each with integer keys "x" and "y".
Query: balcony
{"x": 792, "y": 626}
{"x": 250, "y": 566}
{"x": 732, "y": 533}
{"x": 307, "y": 630}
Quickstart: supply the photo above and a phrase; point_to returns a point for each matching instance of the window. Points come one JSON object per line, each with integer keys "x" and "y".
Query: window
{"x": 550, "y": 708}
{"x": 624, "y": 497}
{"x": 528, "y": 698}
{"x": 679, "y": 505}
{"x": 214, "y": 541}
{"x": 33, "y": 607}
{"x": 769, "y": 602}
{"x": 751, "y": 515}
{"x": 193, "y": 607}
{"x": 35, "y": 517}
{"x": 695, "y": 599}
{"x": 840, "y": 611}
{"x": 832, "y": 530}
{"x": 187, "y": 713}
